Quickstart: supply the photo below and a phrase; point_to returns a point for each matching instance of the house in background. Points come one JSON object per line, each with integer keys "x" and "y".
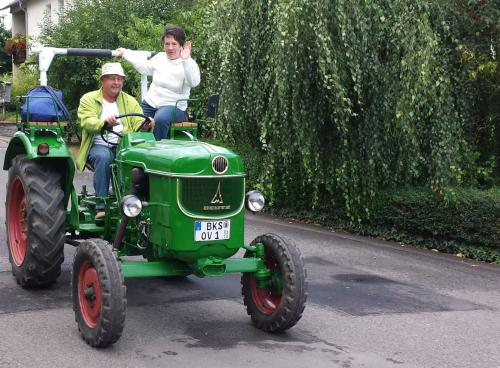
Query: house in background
{"x": 28, "y": 16}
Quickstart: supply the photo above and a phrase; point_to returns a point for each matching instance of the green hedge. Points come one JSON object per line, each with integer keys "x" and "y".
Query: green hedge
{"x": 474, "y": 218}
{"x": 469, "y": 227}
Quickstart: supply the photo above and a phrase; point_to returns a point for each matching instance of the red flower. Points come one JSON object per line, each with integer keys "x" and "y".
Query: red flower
{"x": 16, "y": 44}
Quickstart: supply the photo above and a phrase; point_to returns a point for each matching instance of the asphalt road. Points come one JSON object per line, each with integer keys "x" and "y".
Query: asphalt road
{"x": 371, "y": 304}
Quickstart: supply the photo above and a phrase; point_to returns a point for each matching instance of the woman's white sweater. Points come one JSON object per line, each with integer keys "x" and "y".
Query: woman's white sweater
{"x": 172, "y": 79}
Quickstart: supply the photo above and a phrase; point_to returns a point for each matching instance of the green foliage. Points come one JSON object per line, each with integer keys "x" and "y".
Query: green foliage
{"x": 5, "y": 60}
{"x": 26, "y": 77}
{"x": 469, "y": 228}
{"x": 474, "y": 219}
{"x": 476, "y": 26}
{"x": 7, "y": 77}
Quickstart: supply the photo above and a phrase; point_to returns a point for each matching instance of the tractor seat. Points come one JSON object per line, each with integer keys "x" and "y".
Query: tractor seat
{"x": 190, "y": 128}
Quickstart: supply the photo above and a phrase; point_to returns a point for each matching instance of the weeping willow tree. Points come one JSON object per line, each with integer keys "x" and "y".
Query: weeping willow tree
{"x": 342, "y": 99}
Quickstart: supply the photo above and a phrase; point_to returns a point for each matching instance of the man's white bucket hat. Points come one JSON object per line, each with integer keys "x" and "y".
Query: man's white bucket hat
{"x": 112, "y": 69}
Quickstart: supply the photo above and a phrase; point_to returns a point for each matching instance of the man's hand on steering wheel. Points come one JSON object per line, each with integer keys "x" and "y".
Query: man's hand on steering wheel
{"x": 111, "y": 121}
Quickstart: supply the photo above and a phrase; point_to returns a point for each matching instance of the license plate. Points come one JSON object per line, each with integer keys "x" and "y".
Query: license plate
{"x": 211, "y": 230}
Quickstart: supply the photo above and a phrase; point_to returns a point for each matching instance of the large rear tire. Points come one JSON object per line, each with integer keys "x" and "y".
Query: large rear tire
{"x": 35, "y": 216}
{"x": 280, "y": 305}
{"x": 99, "y": 293}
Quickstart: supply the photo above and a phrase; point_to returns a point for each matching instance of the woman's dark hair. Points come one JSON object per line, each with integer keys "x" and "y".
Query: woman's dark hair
{"x": 176, "y": 32}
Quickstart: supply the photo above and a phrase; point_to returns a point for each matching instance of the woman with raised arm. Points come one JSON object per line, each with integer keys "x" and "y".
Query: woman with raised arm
{"x": 174, "y": 74}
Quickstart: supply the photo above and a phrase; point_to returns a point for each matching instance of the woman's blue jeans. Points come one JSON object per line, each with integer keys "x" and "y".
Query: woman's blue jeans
{"x": 164, "y": 116}
{"x": 100, "y": 157}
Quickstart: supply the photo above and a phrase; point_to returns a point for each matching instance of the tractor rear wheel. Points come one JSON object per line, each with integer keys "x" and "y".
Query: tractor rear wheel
{"x": 99, "y": 293}
{"x": 280, "y": 304}
{"x": 35, "y": 216}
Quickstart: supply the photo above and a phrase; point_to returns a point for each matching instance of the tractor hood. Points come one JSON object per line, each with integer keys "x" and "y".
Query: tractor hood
{"x": 173, "y": 157}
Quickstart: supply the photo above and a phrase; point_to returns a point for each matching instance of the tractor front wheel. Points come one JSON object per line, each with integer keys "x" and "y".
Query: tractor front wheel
{"x": 35, "y": 215}
{"x": 99, "y": 294}
{"x": 276, "y": 304}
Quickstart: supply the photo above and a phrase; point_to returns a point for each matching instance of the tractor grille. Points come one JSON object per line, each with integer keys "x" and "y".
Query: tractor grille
{"x": 219, "y": 164}
{"x": 211, "y": 196}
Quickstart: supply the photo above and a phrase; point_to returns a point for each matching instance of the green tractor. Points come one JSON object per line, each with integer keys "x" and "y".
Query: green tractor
{"x": 177, "y": 208}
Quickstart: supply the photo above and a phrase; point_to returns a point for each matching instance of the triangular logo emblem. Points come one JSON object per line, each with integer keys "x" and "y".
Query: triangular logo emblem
{"x": 217, "y": 199}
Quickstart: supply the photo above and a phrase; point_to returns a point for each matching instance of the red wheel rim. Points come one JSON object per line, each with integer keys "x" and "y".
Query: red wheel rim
{"x": 266, "y": 299}
{"x": 16, "y": 225}
{"x": 89, "y": 294}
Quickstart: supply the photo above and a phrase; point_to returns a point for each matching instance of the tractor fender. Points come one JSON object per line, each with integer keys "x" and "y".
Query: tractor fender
{"x": 22, "y": 144}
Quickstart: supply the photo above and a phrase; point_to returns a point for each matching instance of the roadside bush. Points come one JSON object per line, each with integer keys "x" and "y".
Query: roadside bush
{"x": 469, "y": 227}
{"x": 474, "y": 218}
{"x": 26, "y": 77}
{"x": 7, "y": 77}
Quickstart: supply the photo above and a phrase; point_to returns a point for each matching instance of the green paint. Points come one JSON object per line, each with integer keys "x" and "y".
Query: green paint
{"x": 154, "y": 269}
{"x": 210, "y": 266}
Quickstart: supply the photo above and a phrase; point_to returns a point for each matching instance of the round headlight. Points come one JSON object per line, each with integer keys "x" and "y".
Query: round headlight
{"x": 254, "y": 201}
{"x": 131, "y": 205}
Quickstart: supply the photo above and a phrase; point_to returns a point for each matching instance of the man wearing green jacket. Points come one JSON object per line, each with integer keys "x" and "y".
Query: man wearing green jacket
{"x": 99, "y": 108}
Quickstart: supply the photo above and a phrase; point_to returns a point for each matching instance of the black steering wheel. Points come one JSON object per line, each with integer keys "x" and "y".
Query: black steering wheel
{"x": 107, "y": 128}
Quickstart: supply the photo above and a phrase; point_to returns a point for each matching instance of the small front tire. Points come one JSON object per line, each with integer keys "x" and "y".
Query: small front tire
{"x": 280, "y": 305}
{"x": 99, "y": 293}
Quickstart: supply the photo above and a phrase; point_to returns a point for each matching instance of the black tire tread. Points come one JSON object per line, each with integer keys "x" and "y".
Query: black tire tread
{"x": 114, "y": 300}
{"x": 46, "y": 217}
{"x": 294, "y": 288}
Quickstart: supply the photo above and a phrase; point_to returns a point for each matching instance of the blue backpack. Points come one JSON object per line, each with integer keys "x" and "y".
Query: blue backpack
{"x": 44, "y": 103}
